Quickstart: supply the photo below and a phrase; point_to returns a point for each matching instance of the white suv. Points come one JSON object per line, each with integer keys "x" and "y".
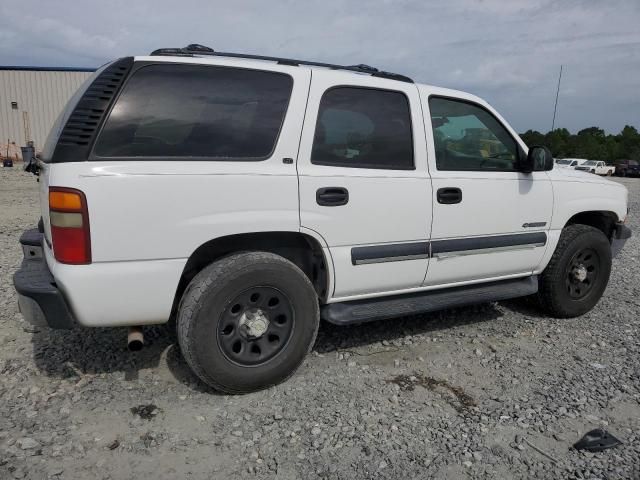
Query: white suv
{"x": 247, "y": 197}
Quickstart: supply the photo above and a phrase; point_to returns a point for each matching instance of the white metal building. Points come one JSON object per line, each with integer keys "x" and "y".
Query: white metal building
{"x": 31, "y": 99}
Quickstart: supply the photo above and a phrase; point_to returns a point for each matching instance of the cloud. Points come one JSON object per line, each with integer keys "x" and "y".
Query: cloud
{"x": 495, "y": 74}
{"x": 508, "y": 52}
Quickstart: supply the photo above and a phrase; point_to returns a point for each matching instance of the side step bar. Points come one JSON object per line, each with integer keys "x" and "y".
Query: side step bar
{"x": 359, "y": 311}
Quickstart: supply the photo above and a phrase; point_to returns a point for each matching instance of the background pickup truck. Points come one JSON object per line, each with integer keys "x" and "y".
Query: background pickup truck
{"x": 626, "y": 168}
{"x": 598, "y": 167}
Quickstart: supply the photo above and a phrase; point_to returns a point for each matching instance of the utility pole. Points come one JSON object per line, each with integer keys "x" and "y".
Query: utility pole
{"x": 555, "y": 107}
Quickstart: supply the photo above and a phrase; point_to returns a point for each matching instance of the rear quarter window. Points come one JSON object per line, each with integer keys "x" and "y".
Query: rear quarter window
{"x": 207, "y": 112}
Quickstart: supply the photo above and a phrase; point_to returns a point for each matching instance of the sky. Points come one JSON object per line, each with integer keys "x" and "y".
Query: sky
{"x": 508, "y": 52}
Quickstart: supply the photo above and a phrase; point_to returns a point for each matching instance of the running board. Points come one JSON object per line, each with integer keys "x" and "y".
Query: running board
{"x": 359, "y": 311}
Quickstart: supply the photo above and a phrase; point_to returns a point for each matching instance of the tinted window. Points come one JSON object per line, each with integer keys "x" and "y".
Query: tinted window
{"x": 468, "y": 137}
{"x": 196, "y": 111}
{"x": 364, "y": 128}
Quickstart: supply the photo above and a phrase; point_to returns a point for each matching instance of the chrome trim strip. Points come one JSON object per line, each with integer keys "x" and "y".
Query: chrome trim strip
{"x": 391, "y": 259}
{"x": 389, "y": 252}
{"x": 462, "y": 253}
{"x": 445, "y": 248}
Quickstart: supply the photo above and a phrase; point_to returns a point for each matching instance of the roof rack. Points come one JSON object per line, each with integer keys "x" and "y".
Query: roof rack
{"x": 196, "y": 49}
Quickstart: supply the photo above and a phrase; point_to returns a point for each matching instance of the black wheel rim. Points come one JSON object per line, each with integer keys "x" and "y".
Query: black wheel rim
{"x": 582, "y": 273}
{"x": 255, "y": 326}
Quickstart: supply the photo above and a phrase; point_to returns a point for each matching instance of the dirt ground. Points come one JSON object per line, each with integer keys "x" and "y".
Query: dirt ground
{"x": 493, "y": 391}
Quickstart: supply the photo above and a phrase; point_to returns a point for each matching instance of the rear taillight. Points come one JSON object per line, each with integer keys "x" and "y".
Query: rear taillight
{"x": 69, "y": 219}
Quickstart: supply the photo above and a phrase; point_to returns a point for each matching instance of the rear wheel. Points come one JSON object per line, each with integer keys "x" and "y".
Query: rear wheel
{"x": 577, "y": 273}
{"x": 247, "y": 321}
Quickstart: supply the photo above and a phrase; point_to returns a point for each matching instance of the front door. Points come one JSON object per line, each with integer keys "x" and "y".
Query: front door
{"x": 490, "y": 220}
{"x": 363, "y": 181}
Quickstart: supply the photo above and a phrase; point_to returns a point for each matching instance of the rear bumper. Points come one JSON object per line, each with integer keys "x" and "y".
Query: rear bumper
{"x": 621, "y": 234}
{"x": 41, "y": 302}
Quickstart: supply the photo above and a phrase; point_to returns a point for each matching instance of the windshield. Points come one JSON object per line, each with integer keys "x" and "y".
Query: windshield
{"x": 590, "y": 163}
{"x": 564, "y": 162}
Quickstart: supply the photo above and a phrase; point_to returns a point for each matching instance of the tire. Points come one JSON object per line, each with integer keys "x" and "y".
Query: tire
{"x": 247, "y": 321}
{"x": 609, "y": 173}
{"x": 561, "y": 292}
{"x": 593, "y": 171}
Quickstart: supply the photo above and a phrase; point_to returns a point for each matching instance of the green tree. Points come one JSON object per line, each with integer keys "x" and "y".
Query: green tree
{"x": 558, "y": 141}
{"x": 630, "y": 142}
{"x": 592, "y": 143}
{"x": 592, "y": 132}
{"x": 533, "y": 137}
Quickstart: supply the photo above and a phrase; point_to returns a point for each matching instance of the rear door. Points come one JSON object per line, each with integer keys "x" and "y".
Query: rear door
{"x": 363, "y": 181}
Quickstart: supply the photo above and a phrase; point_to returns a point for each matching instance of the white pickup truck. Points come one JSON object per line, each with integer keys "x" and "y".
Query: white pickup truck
{"x": 598, "y": 167}
{"x": 247, "y": 197}
{"x": 570, "y": 162}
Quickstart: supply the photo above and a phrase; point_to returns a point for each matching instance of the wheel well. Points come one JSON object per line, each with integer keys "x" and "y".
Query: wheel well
{"x": 603, "y": 221}
{"x": 300, "y": 249}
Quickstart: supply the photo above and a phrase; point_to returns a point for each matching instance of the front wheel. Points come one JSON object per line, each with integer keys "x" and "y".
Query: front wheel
{"x": 577, "y": 273}
{"x": 247, "y": 321}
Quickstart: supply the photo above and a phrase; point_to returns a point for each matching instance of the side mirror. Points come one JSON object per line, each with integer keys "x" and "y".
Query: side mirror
{"x": 538, "y": 159}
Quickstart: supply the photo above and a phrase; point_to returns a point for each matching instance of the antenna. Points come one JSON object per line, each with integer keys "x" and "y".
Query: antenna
{"x": 555, "y": 107}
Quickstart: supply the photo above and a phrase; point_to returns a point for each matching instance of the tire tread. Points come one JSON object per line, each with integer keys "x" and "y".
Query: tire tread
{"x": 192, "y": 300}
{"x": 547, "y": 295}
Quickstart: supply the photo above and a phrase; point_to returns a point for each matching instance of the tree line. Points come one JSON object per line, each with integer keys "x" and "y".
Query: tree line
{"x": 591, "y": 143}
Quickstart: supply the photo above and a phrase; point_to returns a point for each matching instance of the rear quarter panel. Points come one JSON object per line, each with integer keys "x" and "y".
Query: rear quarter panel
{"x": 162, "y": 210}
{"x": 147, "y": 218}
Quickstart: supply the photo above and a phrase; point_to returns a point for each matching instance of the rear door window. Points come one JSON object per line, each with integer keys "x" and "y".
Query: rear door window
{"x": 363, "y": 128}
{"x": 209, "y": 112}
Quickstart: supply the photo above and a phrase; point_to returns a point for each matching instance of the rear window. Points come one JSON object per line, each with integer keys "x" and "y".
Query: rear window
{"x": 172, "y": 110}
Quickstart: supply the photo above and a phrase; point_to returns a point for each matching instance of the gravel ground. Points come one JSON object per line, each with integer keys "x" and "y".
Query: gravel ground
{"x": 494, "y": 391}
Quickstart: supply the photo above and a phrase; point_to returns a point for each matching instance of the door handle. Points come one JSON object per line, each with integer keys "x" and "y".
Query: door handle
{"x": 332, "y": 196}
{"x": 449, "y": 195}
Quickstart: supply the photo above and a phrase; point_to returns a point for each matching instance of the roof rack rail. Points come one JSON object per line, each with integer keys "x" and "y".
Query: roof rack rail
{"x": 196, "y": 49}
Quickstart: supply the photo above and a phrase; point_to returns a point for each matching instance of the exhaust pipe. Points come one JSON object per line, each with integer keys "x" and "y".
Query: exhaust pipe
{"x": 135, "y": 340}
